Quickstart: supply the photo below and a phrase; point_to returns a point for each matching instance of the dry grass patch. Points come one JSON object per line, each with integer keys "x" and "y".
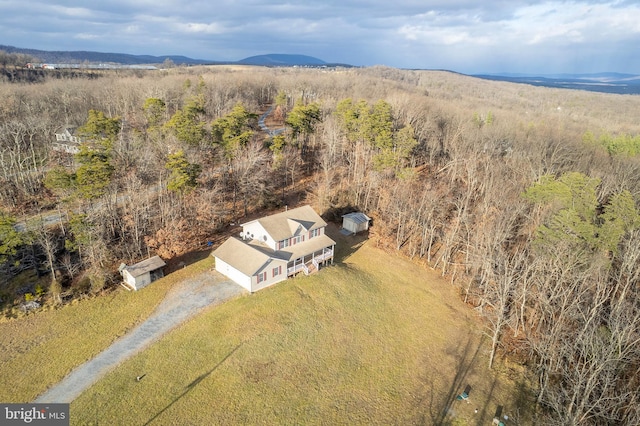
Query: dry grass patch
{"x": 38, "y": 350}
{"x": 375, "y": 339}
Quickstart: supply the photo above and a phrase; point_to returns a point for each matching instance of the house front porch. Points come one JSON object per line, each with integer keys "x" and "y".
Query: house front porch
{"x": 311, "y": 262}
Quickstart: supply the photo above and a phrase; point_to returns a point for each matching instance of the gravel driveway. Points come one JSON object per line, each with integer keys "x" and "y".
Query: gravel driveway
{"x": 183, "y": 302}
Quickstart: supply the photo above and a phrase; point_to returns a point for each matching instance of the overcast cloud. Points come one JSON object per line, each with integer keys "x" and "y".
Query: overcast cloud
{"x": 467, "y": 36}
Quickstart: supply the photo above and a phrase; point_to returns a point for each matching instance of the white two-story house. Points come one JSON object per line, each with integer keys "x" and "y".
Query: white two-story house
{"x": 67, "y": 141}
{"x": 275, "y": 247}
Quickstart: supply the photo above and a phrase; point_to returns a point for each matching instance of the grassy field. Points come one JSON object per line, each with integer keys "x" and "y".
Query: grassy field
{"x": 38, "y": 350}
{"x": 374, "y": 339}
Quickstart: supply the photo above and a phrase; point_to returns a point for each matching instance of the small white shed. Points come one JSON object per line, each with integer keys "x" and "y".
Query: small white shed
{"x": 142, "y": 274}
{"x": 355, "y": 222}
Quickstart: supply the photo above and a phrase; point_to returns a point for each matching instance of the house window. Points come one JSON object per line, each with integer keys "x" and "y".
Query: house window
{"x": 284, "y": 243}
{"x": 314, "y": 233}
{"x": 262, "y": 276}
{"x": 277, "y": 271}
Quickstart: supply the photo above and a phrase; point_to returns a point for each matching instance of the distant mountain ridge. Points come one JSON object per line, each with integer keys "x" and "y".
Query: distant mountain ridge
{"x": 282, "y": 59}
{"x": 62, "y": 57}
{"x": 606, "y": 82}
{"x": 81, "y": 56}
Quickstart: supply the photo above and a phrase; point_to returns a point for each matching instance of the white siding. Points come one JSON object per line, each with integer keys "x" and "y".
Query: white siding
{"x": 270, "y": 280}
{"x": 259, "y": 233}
{"x": 129, "y": 279}
{"x": 353, "y": 226}
{"x": 231, "y": 272}
{"x": 143, "y": 280}
{"x": 350, "y": 225}
{"x": 270, "y": 242}
{"x": 137, "y": 282}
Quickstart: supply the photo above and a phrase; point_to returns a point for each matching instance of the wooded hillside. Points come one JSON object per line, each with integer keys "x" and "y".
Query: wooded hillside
{"x": 525, "y": 197}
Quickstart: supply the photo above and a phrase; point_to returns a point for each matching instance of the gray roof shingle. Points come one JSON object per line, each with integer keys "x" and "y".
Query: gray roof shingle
{"x": 145, "y": 266}
{"x": 357, "y": 217}
{"x": 285, "y": 224}
{"x": 247, "y": 258}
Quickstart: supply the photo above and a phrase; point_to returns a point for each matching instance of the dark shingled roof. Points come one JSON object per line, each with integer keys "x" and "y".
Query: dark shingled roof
{"x": 145, "y": 266}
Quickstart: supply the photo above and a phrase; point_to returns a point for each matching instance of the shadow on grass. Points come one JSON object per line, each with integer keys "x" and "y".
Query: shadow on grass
{"x": 521, "y": 408}
{"x": 486, "y": 407}
{"x": 444, "y": 408}
{"x": 346, "y": 245}
{"x": 193, "y": 384}
{"x": 440, "y": 408}
{"x": 186, "y": 259}
{"x": 465, "y": 356}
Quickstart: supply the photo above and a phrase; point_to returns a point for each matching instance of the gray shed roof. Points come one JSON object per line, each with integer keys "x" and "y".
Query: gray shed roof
{"x": 357, "y": 217}
{"x": 145, "y": 266}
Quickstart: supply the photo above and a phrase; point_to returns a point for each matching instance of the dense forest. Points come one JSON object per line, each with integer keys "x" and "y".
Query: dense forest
{"x": 525, "y": 197}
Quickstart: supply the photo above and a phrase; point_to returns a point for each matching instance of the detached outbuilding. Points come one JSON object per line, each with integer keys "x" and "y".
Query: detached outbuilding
{"x": 355, "y": 222}
{"x": 142, "y": 274}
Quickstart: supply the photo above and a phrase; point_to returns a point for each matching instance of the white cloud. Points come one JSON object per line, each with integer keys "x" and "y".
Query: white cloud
{"x": 465, "y": 35}
{"x": 574, "y": 22}
{"x": 73, "y": 12}
{"x": 199, "y": 27}
{"x": 132, "y": 29}
{"x": 441, "y": 36}
{"x": 86, "y": 36}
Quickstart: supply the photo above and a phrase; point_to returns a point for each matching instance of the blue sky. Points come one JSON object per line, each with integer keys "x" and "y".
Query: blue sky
{"x": 469, "y": 36}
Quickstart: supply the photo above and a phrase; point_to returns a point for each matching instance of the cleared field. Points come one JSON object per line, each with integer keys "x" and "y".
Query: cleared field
{"x": 373, "y": 339}
{"x": 38, "y": 350}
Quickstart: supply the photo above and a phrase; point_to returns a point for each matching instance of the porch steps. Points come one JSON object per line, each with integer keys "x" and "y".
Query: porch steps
{"x": 313, "y": 268}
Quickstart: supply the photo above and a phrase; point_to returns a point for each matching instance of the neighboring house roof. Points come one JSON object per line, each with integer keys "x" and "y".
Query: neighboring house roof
{"x": 357, "y": 217}
{"x": 247, "y": 258}
{"x": 145, "y": 266}
{"x": 285, "y": 224}
{"x": 67, "y": 128}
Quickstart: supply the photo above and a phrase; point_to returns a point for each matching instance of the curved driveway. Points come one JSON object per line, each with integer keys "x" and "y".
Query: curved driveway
{"x": 264, "y": 127}
{"x": 183, "y": 302}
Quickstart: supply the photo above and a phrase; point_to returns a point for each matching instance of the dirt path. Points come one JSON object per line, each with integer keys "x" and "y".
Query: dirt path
{"x": 263, "y": 126}
{"x": 181, "y": 303}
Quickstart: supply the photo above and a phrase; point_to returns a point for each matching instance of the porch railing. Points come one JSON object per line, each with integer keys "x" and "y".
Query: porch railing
{"x": 297, "y": 268}
{"x": 325, "y": 255}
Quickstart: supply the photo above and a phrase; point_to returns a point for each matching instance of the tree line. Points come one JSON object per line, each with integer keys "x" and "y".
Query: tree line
{"x": 533, "y": 218}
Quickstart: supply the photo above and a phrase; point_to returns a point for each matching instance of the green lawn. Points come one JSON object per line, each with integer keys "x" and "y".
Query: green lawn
{"x": 38, "y": 350}
{"x": 374, "y": 339}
